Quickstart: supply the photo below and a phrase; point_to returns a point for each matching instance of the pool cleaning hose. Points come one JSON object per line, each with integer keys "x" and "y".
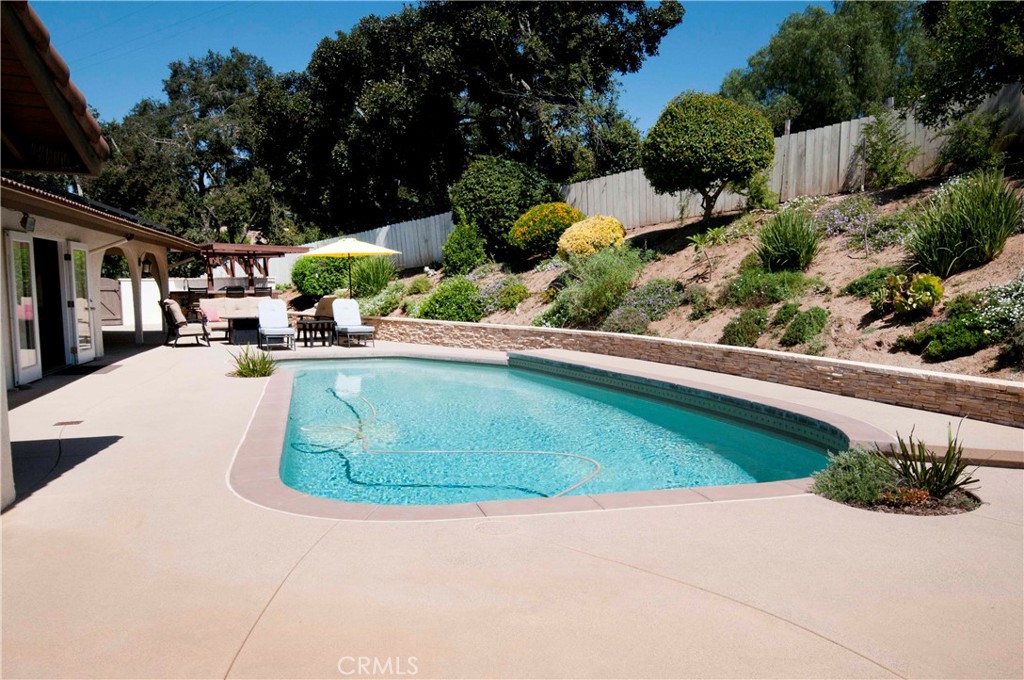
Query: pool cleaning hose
{"x": 359, "y": 434}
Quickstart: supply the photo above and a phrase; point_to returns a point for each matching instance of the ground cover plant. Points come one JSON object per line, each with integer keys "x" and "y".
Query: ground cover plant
{"x": 856, "y": 219}
{"x": 785, "y": 314}
{"x": 788, "y": 242}
{"x": 973, "y": 322}
{"x": 642, "y": 305}
{"x": 701, "y": 301}
{"x": 253, "y": 363}
{"x": 863, "y": 286}
{"x": 806, "y": 326}
{"x": 758, "y": 288}
{"x": 965, "y": 225}
{"x": 502, "y": 295}
{"x": 384, "y": 302}
{"x": 745, "y": 328}
{"x": 419, "y": 285}
{"x": 537, "y": 231}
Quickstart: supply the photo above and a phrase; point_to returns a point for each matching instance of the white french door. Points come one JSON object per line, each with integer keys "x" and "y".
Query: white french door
{"x": 28, "y": 361}
{"x": 80, "y": 304}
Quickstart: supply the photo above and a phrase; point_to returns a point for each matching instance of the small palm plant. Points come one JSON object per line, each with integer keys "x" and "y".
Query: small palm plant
{"x": 253, "y": 363}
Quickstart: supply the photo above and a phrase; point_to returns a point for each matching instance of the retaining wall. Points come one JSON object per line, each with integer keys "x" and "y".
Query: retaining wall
{"x": 994, "y": 401}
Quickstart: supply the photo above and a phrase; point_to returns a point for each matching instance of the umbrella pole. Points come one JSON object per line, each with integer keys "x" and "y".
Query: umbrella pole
{"x": 350, "y": 277}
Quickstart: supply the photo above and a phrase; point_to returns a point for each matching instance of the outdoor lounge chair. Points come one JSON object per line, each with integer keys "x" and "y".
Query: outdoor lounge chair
{"x": 348, "y": 323}
{"x": 178, "y": 326}
{"x": 274, "y": 324}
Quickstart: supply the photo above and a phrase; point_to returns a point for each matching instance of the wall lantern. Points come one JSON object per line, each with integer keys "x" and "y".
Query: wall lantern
{"x": 147, "y": 266}
{"x": 28, "y": 223}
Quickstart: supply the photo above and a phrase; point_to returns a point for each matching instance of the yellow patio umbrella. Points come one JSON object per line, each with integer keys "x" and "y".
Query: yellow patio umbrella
{"x": 350, "y": 247}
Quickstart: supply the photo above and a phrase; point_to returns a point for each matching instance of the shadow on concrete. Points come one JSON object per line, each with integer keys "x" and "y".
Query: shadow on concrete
{"x": 38, "y": 462}
{"x": 117, "y": 346}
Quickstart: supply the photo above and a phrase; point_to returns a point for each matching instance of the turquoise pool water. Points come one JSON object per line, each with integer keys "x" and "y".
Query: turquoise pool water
{"x": 406, "y": 432}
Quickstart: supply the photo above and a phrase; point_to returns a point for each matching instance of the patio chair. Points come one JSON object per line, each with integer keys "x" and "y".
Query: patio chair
{"x": 178, "y": 326}
{"x": 349, "y": 324}
{"x": 274, "y": 324}
{"x": 234, "y": 291}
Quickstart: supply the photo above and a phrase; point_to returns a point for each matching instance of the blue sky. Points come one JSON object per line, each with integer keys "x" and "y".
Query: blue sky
{"x": 119, "y": 51}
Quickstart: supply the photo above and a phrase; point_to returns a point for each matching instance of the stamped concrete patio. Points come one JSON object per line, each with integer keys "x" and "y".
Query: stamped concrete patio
{"x": 134, "y": 558}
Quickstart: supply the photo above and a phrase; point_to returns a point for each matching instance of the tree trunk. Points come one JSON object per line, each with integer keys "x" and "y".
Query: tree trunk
{"x": 708, "y": 201}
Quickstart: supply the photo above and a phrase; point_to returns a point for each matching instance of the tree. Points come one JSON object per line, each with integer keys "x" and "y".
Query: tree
{"x": 702, "y": 142}
{"x": 388, "y": 116}
{"x": 975, "y": 48}
{"x": 826, "y": 67}
{"x": 186, "y": 162}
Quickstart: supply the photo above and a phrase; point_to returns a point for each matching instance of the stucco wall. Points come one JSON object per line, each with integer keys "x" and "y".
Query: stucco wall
{"x": 995, "y": 401}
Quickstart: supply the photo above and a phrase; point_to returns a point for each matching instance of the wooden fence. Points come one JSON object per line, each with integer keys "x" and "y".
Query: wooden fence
{"x": 811, "y": 163}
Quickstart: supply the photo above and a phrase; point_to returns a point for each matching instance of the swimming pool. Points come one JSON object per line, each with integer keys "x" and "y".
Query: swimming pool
{"x": 411, "y": 432}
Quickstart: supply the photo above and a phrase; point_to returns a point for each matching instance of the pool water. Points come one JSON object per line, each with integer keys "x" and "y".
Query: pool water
{"x": 407, "y": 431}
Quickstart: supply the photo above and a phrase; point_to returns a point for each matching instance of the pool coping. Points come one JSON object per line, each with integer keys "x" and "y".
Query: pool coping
{"x": 254, "y": 474}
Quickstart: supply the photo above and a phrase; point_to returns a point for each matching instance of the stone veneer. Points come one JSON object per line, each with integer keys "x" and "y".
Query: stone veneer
{"x": 994, "y": 401}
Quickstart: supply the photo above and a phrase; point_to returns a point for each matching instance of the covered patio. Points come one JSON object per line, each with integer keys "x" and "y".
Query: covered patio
{"x": 251, "y": 259}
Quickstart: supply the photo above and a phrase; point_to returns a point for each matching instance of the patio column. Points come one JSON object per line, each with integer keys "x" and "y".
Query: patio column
{"x": 6, "y": 474}
{"x": 135, "y": 271}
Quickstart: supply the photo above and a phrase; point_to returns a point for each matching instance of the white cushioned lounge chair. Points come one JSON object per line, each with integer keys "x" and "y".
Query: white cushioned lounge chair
{"x": 274, "y": 324}
{"x": 348, "y": 323}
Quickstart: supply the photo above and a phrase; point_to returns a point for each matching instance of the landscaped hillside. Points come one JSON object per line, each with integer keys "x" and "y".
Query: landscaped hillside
{"x": 699, "y": 293}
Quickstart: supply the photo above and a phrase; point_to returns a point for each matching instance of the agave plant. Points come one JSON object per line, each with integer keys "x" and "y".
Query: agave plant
{"x": 253, "y": 363}
{"x": 919, "y": 468}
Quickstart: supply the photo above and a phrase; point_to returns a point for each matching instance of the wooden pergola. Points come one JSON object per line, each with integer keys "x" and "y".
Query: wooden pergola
{"x": 252, "y": 259}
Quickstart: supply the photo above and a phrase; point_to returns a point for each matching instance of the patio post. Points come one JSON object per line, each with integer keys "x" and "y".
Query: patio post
{"x": 136, "y": 274}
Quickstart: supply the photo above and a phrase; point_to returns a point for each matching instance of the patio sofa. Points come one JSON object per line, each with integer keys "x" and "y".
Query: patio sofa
{"x": 216, "y": 308}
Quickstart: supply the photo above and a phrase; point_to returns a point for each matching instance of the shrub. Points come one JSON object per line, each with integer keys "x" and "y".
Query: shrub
{"x": 701, "y": 301}
{"x": 319, "y": 276}
{"x": 785, "y": 314}
{"x": 856, "y": 477}
{"x": 371, "y": 275}
{"x": 806, "y": 326}
{"x": 463, "y": 251}
{"x": 701, "y": 142}
{"x": 590, "y": 235}
{"x": 537, "y": 231}
{"x": 788, "y": 242}
{"x": 253, "y": 363}
{"x": 907, "y": 296}
{"x": 626, "y": 320}
{"x": 1013, "y": 353}
{"x": 746, "y": 328}
{"x": 456, "y": 299}
{"x": 493, "y": 192}
{"x": 411, "y": 307}
{"x": 419, "y": 285}
{"x": 758, "y": 191}
{"x": 966, "y": 225}
{"x": 886, "y": 151}
{"x": 919, "y": 468}
{"x": 383, "y": 303}
{"x": 972, "y": 142}
{"x": 867, "y": 284}
{"x": 504, "y": 294}
{"x": 655, "y": 298}
{"x": 595, "y": 287}
{"x": 758, "y": 288}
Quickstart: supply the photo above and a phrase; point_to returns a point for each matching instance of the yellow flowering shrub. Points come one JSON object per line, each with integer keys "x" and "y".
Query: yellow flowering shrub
{"x": 591, "y": 235}
{"x": 536, "y": 232}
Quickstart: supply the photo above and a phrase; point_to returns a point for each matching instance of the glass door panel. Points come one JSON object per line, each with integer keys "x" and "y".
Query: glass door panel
{"x": 82, "y": 333}
{"x": 24, "y": 313}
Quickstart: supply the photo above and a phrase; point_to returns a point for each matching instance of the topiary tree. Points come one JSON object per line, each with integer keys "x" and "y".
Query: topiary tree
{"x": 702, "y": 142}
{"x": 493, "y": 192}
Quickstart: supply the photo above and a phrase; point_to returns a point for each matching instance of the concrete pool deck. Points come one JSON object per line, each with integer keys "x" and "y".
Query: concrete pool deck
{"x": 135, "y": 559}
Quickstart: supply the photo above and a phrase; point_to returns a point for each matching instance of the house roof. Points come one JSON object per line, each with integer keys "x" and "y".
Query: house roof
{"x": 47, "y": 126}
{"x": 86, "y": 213}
